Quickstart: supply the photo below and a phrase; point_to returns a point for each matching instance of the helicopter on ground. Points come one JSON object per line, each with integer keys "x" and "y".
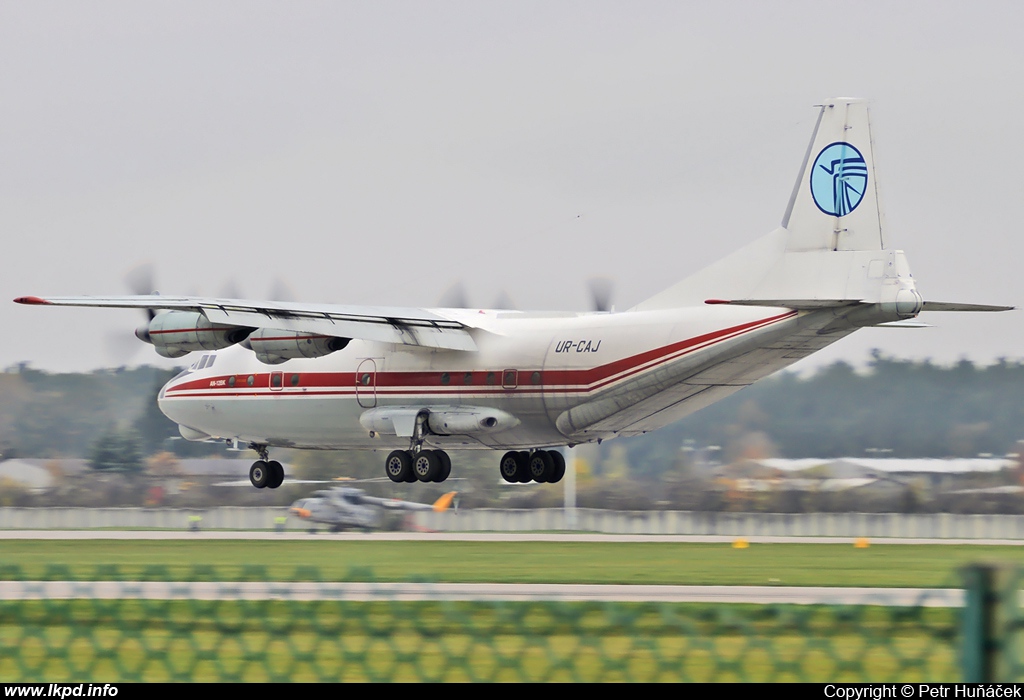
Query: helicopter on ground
{"x": 348, "y": 508}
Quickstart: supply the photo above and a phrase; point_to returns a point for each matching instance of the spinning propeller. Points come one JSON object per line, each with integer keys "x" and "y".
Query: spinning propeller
{"x": 601, "y": 293}
{"x": 455, "y": 297}
{"x": 600, "y": 288}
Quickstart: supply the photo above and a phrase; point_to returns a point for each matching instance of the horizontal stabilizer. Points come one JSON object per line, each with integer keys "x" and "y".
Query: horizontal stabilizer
{"x": 786, "y": 303}
{"x": 809, "y": 304}
{"x": 903, "y": 324}
{"x": 952, "y": 306}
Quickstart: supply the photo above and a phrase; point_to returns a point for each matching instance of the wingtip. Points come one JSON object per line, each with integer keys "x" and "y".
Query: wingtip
{"x": 36, "y": 301}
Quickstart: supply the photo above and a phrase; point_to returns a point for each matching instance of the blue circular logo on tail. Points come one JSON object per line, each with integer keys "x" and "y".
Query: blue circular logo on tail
{"x": 839, "y": 179}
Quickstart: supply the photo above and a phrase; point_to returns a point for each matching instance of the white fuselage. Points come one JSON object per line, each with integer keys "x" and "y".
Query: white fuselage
{"x": 567, "y": 378}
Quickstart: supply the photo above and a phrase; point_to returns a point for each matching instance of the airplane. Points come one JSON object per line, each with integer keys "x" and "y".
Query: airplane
{"x": 343, "y": 507}
{"x": 422, "y": 381}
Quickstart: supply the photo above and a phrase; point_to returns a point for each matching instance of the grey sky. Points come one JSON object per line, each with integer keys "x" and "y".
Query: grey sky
{"x": 379, "y": 152}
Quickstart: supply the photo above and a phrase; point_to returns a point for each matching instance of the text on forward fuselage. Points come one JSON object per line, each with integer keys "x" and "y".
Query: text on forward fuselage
{"x": 578, "y": 346}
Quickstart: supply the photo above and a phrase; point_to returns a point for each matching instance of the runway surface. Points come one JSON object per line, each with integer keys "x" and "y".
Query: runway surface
{"x": 249, "y": 590}
{"x": 293, "y": 535}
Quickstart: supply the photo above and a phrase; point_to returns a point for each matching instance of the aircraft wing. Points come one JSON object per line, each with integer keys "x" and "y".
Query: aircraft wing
{"x": 403, "y": 326}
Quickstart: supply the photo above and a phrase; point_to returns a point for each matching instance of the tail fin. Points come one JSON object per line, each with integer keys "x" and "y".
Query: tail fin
{"x": 830, "y": 251}
{"x": 830, "y": 248}
{"x": 442, "y": 504}
{"x": 834, "y": 205}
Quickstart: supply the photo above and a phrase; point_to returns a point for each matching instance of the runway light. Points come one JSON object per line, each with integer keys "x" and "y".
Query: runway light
{"x": 740, "y": 543}
{"x": 861, "y": 543}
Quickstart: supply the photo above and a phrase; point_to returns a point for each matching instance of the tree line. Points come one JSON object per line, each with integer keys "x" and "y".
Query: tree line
{"x": 893, "y": 408}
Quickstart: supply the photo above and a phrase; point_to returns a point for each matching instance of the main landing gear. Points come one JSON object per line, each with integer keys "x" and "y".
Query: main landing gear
{"x": 265, "y": 473}
{"x": 542, "y": 466}
{"x": 417, "y": 464}
{"x": 424, "y": 465}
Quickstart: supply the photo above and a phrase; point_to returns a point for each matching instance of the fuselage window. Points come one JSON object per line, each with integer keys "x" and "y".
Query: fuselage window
{"x": 275, "y": 379}
{"x": 364, "y": 379}
{"x": 535, "y": 378}
{"x": 445, "y": 377}
{"x": 509, "y": 379}
{"x": 467, "y": 378}
{"x": 295, "y": 380}
{"x": 490, "y": 377}
{"x": 231, "y": 380}
{"x": 251, "y": 381}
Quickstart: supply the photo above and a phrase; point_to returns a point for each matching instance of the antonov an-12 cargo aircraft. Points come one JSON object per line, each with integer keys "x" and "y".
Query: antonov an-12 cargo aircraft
{"x": 420, "y": 382}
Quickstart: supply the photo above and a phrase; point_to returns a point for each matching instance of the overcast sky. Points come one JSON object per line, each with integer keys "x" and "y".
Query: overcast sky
{"x": 380, "y": 152}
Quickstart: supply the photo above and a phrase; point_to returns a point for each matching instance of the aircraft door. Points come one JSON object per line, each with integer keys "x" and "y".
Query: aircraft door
{"x": 366, "y": 384}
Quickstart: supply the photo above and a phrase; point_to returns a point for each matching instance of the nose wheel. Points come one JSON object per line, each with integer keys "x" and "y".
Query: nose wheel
{"x": 265, "y": 473}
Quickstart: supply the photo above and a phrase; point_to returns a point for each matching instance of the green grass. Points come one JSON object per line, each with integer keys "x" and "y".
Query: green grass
{"x": 505, "y": 562}
{"x": 107, "y": 641}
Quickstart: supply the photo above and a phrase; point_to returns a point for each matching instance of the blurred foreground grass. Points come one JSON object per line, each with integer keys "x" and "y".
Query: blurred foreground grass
{"x": 274, "y": 640}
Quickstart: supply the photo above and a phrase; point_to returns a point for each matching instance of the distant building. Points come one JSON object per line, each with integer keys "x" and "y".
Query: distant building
{"x": 847, "y": 473}
{"x": 40, "y": 475}
{"x": 842, "y": 467}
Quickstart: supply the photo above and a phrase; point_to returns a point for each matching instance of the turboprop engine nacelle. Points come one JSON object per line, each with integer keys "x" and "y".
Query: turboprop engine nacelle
{"x": 272, "y": 347}
{"x": 177, "y": 333}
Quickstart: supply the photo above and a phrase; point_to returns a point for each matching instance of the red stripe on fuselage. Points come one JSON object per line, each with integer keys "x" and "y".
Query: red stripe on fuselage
{"x": 565, "y": 381}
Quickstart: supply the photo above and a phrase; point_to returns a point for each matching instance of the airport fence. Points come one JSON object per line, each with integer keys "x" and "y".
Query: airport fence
{"x": 224, "y": 624}
{"x": 654, "y": 522}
